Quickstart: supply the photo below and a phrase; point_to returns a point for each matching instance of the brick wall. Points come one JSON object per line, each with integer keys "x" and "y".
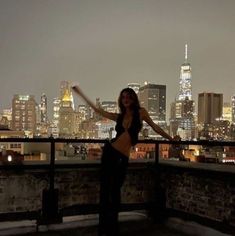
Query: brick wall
{"x": 22, "y": 191}
{"x": 203, "y": 192}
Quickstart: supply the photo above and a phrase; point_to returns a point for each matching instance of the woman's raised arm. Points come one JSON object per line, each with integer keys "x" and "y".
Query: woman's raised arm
{"x": 102, "y": 112}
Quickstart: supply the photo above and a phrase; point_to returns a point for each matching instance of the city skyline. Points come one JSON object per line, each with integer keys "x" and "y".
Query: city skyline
{"x": 101, "y": 44}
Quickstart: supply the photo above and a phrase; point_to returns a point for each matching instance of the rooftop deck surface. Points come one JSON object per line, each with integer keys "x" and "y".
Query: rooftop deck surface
{"x": 131, "y": 224}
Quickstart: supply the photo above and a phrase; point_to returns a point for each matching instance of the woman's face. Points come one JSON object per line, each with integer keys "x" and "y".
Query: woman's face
{"x": 126, "y": 99}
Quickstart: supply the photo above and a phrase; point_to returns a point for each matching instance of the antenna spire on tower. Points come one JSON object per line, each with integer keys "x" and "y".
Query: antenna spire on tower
{"x": 186, "y": 52}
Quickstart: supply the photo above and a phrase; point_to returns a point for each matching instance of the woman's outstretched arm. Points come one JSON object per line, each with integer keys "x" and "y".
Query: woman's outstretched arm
{"x": 102, "y": 112}
{"x": 145, "y": 116}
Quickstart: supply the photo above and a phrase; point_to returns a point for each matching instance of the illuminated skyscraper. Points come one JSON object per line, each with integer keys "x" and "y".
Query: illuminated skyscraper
{"x": 185, "y": 78}
{"x": 233, "y": 109}
{"x": 56, "y": 108}
{"x": 233, "y": 118}
{"x": 42, "y": 119}
{"x": 66, "y": 115}
{"x": 24, "y": 113}
{"x": 182, "y": 116}
{"x": 55, "y": 118}
{"x": 65, "y": 90}
{"x": 43, "y": 109}
{"x": 62, "y": 104}
{"x": 227, "y": 112}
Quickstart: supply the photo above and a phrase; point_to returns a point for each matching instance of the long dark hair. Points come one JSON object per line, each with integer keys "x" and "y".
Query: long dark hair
{"x": 136, "y": 122}
{"x": 135, "y": 105}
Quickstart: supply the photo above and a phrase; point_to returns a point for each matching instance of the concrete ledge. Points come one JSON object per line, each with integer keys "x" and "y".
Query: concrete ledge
{"x": 192, "y": 228}
{"x": 18, "y": 227}
{"x": 70, "y": 222}
{"x": 219, "y": 168}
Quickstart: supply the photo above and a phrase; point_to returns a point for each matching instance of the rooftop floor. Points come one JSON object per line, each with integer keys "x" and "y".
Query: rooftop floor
{"x": 136, "y": 224}
{"x": 126, "y": 229}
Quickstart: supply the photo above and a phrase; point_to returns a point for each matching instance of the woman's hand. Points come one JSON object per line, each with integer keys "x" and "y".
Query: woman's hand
{"x": 76, "y": 89}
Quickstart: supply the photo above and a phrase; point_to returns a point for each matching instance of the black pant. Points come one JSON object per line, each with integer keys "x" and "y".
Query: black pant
{"x": 113, "y": 172}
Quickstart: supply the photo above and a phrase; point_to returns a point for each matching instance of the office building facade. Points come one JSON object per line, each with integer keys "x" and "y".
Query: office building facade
{"x": 210, "y": 109}
{"x": 24, "y": 114}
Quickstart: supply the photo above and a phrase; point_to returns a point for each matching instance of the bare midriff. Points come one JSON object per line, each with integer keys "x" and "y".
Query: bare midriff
{"x": 123, "y": 143}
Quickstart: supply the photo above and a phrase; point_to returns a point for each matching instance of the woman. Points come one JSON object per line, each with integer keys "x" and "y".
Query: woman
{"x": 116, "y": 153}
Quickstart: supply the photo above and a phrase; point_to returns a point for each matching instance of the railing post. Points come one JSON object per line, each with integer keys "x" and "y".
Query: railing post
{"x": 158, "y": 206}
{"x": 156, "y": 154}
{"x": 52, "y": 165}
{"x": 50, "y": 212}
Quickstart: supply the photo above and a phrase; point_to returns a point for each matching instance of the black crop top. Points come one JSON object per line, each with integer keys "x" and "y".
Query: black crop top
{"x": 134, "y": 128}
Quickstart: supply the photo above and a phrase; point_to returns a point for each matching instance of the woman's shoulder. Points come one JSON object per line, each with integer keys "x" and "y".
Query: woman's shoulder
{"x": 142, "y": 110}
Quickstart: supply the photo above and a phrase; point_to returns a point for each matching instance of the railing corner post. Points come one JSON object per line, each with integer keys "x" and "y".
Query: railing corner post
{"x": 50, "y": 197}
{"x": 158, "y": 205}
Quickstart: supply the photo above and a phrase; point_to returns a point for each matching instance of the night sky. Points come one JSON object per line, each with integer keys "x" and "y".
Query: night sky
{"x": 105, "y": 44}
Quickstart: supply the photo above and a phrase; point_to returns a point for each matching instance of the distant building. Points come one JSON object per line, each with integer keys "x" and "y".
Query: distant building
{"x": 66, "y": 115}
{"x": 7, "y": 133}
{"x": 105, "y": 129}
{"x": 233, "y": 108}
{"x": 65, "y": 87}
{"x": 182, "y": 120}
{"x": 61, "y": 105}
{"x": 24, "y": 114}
{"x": 110, "y": 106}
{"x": 43, "y": 109}
{"x": 221, "y": 130}
{"x": 13, "y": 146}
{"x": 55, "y": 118}
{"x": 134, "y": 86}
{"x": 185, "y": 78}
{"x": 227, "y": 112}
{"x": 182, "y": 114}
{"x": 6, "y": 118}
{"x": 153, "y": 98}
{"x": 210, "y": 107}
{"x": 84, "y": 111}
{"x": 89, "y": 129}
{"x": 82, "y": 116}
{"x": 42, "y": 127}
{"x": 96, "y": 116}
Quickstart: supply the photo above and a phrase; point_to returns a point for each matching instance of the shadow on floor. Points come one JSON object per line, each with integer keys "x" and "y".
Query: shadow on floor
{"x": 127, "y": 228}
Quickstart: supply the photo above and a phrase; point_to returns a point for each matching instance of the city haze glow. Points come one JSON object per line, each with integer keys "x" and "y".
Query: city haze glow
{"x": 108, "y": 44}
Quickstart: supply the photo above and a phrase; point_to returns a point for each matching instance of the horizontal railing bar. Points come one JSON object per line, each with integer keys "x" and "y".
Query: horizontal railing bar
{"x": 57, "y": 166}
{"x": 147, "y": 141}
